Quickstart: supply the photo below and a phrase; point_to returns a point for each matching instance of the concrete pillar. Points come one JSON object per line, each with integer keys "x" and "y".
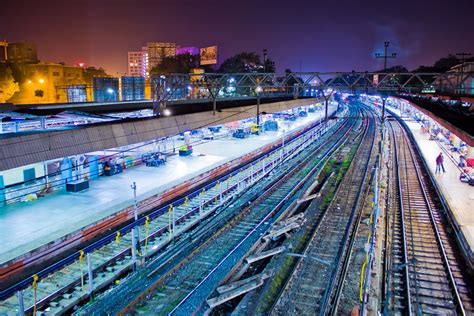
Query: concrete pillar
{"x": 89, "y": 273}
{"x": 21, "y": 304}
{"x": 43, "y": 122}
{"x": 93, "y": 167}
{"x": 66, "y": 170}
{"x": 2, "y": 191}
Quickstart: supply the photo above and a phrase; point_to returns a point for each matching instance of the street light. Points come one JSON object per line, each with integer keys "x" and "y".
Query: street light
{"x": 135, "y": 232}
{"x": 385, "y": 56}
{"x": 258, "y": 89}
{"x": 384, "y": 99}
{"x": 41, "y": 80}
{"x": 264, "y": 60}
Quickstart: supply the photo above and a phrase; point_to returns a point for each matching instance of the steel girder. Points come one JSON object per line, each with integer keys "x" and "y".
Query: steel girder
{"x": 166, "y": 86}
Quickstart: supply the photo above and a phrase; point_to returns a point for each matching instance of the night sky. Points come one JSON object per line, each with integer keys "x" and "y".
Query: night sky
{"x": 318, "y": 35}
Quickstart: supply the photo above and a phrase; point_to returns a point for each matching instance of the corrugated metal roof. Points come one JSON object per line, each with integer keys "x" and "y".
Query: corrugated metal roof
{"x": 31, "y": 148}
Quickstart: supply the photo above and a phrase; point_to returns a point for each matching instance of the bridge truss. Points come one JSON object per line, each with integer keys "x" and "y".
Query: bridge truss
{"x": 167, "y": 87}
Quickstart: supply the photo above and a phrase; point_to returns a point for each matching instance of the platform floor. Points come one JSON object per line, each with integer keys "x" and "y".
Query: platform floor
{"x": 459, "y": 195}
{"x": 29, "y": 225}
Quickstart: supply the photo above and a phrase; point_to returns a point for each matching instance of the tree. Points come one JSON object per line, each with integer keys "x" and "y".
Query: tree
{"x": 441, "y": 65}
{"x": 91, "y": 72}
{"x": 8, "y": 85}
{"x": 180, "y": 64}
{"x": 445, "y": 63}
{"x": 269, "y": 65}
{"x": 246, "y": 62}
{"x": 39, "y": 93}
{"x": 397, "y": 68}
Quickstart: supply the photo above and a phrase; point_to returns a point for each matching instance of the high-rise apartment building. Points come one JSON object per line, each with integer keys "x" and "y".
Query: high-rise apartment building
{"x": 138, "y": 65}
{"x": 3, "y": 51}
{"x": 158, "y": 51}
{"x": 24, "y": 53}
{"x": 141, "y": 62}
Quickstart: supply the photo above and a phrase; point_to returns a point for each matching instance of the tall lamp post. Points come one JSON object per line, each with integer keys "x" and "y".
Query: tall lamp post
{"x": 385, "y": 55}
{"x": 258, "y": 89}
{"x": 135, "y": 231}
{"x": 463, "y": 56}
{"x": 265, "y": 60}
{"x": 384, "y": 99}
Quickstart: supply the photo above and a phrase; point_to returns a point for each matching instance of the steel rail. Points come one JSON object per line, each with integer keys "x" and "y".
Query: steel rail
{"x": 299, "y": 259}
{"x": 348, "y": 253}
{"x": 348, "y": 237}
{"x": 439, "y": 241}
{"x": 129, "y": 305}
{"x": 413, "y": 160}
{"x": 402, "y": 220}
{"x": 269, "y": 215}
{"x": 129, "y": 227}
{"x": 235, "y": 248}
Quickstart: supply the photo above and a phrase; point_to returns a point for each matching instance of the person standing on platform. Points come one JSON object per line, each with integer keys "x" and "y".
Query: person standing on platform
{"x": 439, "y": 163}
{"x": 462, "y": 161}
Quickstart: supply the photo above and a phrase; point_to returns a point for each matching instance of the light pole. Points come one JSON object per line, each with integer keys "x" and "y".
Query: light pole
{"x": 258, "y": 89}
{"x": 326, "y": 99}
{"x": 385, "y": 56}
{"x": 384, "y": 99}
{"x": 463, "y": 55}
{"x": 135, "y": 233}
{"x": 265, "y": 60}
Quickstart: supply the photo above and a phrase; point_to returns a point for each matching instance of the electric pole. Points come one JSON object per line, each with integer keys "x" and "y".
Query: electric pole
{"x": 463, "y": 58}
{"x": 385, "y": 55}
{"x": 265, "y": 60}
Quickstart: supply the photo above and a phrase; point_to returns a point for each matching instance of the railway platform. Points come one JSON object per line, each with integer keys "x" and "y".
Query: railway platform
{"x": 458, "y": 195}
{"x": 25, "y": 227}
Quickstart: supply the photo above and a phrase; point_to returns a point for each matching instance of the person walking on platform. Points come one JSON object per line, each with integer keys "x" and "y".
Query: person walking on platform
{"x": 439, "y": 163}
{"x": 462, "y": 161}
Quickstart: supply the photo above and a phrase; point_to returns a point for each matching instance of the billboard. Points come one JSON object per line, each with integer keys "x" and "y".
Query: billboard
{"x": 376, "y": 79}
{"x": 208, "y": 55}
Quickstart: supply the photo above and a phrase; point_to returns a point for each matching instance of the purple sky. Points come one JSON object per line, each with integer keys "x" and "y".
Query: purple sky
{"x": 320, "y": 35}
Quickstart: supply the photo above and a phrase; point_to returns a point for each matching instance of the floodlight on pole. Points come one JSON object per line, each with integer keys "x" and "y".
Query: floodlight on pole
{"x": 385, "y": 56}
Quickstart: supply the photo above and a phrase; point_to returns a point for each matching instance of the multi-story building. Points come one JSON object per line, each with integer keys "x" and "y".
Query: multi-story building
{"x": 455, "y": 74}
{"x": 3, "y": 51}
{"x": 141, "y": 62}
{"x": 48, "y": 83}
{"x": 138, "y": 63}
{"x": 22, "y": 53}
{"x": 158, "y": 51}
{"x": 464, "y": 72}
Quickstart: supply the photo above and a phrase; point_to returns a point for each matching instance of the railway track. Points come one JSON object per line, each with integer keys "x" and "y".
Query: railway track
{"x": 185, "y": 287}
{"x": 426, "y": 274}
{"x": 65, "y": 284}
{"x": 329, "y": 249}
